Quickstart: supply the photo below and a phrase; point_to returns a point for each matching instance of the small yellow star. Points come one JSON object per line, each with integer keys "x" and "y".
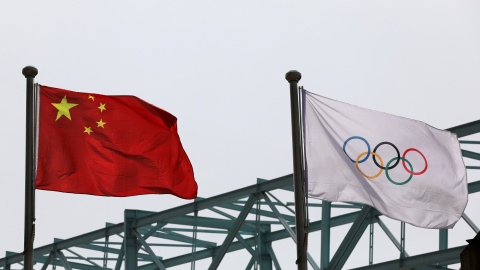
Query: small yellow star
{"x": 102, "y": 107}
{"x": 88, "y": 130}
{"x": 63, "y": 108}
{"x": 101, "y": 123}
{"x": 91, "y": 97}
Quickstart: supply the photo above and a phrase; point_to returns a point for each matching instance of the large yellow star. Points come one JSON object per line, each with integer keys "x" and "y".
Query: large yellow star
{"x": 101, "y": 123}
{"x": 88, "y": 130}
{"x": 63, "y": 108}
{"x": 102, "y": 107}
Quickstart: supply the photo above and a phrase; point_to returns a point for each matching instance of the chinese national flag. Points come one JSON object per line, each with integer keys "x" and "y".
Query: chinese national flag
{"x": 109, "y": 146}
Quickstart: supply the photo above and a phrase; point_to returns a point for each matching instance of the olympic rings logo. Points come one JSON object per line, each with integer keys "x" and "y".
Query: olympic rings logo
{"x": 388, "y": 166}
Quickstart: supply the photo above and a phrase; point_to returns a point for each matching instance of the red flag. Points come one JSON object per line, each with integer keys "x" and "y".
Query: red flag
{"x": 109, "y": 146}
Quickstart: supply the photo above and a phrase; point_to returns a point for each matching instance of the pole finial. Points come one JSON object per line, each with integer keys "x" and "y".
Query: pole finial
{"x": 293, "y": 76}
{"x": 29, "y": 71}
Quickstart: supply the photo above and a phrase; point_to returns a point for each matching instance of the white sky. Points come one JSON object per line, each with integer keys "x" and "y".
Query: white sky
{"x": 219, "y": 66}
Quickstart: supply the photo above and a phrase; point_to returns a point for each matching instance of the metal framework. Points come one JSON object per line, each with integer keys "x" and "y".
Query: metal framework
{"x": 248, "y": 221}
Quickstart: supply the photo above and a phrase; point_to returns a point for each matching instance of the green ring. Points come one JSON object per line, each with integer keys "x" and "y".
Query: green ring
{"x": 390, "y": 179}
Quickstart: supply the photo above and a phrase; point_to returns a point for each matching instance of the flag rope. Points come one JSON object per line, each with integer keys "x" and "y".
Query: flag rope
{"x": 307, "y": 227}
{"x": 303, "y": 164}
{"x": 32, "y": 238}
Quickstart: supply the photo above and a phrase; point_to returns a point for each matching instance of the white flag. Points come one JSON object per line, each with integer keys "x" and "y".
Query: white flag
{"x": 406, "y": 169}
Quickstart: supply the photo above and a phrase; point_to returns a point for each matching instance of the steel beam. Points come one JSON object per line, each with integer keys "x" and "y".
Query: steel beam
{"x": 452, "y": 255}
{"x": 325, "y": 234}
{"x": 442, "y": 239}
{"x": 264, "y": 213}
{"x": 466, "y": 129}
{"x": 265, "y": 247}
{"x": 370, "y": 253}
{"x": 470, "y": 222}
{"x": 73, "y": 265}
{"x": 131, "y": 243}
{"x": 109, "y": 250}
{"x": 105, "y": 253}
{"x": 273, "y": 236}
{"x": 469, "y": 142}
{"x": 7, "y": 264}
{"x": 220, "y": 253}
{"x": 153, "y": 229}
{"x": 470, "y": 154}
{"x": 402, "y": 240}
{"x": 280, "y": 202}
{"x": 209, "y": 223}
{"x": 286, "y": 188}
{"x": 350, "y": 240}
{"x": 83, "y": 258}
{"x": 47, "y": 261}
{"x": 121, "y": 254}
{"x": 74, "y": 241}
{"x": 195, "y": 237}
{"x": 63, "y": 260}
{"x": 250, "y": 263}
{"x": 169, "y": 235}
{"x": 245, "y": 244}
{"x": 473, "y": 187}
{"x": 390, "y": 235}
{"x": 289, "y": 230}
{"x": 213, "y": 209}
{"x": 149, "y": 250}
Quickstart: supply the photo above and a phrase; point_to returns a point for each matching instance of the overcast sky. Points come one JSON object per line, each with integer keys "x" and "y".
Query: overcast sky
{"x": 219, "y": 67}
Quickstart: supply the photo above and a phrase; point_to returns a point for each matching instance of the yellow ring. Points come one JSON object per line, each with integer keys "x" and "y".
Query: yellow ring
{"x": 381, "y": 164}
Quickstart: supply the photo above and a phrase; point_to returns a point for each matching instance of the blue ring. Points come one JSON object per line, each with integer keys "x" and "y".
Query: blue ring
{"x": 360, "y": 138}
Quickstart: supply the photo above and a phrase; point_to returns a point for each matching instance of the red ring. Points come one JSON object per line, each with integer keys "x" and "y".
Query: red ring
{"x": 405, "y": 166}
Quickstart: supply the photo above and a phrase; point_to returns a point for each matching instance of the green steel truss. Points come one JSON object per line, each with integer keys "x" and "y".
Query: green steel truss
{"x": 249, "y": 220}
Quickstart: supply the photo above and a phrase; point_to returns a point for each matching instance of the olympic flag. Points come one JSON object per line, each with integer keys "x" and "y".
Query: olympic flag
{"x": 406, "y": 169}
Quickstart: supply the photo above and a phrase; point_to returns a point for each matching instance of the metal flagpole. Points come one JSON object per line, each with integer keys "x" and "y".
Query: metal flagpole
{"x": 29, "y": 72}
{"x": 293, "y": 77}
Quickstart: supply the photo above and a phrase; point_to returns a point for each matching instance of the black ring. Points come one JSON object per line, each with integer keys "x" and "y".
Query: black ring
{"x": 396, "y": 149}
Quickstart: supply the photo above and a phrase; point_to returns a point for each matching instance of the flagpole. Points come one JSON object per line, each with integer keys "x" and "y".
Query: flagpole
{"x": 293, "y": 77}
{"x": 29, "y": 72}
